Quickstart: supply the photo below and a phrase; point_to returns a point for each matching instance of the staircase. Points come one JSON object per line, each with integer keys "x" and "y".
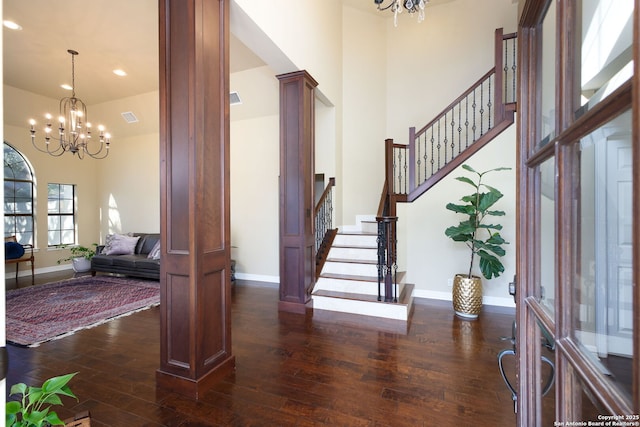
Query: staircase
{"x": 360, "y": 274}
{"x": 348, "y": 281}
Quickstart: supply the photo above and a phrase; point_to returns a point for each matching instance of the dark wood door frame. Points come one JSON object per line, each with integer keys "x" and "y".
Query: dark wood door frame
{"x": 195, "y": 298}
{"x": 297, "y": 172}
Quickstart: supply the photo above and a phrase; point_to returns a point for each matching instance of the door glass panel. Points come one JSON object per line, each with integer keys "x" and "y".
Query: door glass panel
{"x": 547, "y": 72}
{"x": 603, "y": 286}
{"x": 547, "y": 377}
{"x": 606, "y": 57}
{"x": 547, "y": 236}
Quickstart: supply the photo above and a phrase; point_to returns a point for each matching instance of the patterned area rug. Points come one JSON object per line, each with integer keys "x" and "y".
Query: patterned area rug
{"x": 45, "y": 312}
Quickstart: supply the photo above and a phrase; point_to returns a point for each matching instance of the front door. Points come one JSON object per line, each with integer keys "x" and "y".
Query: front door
{"x": 578, "y": 225}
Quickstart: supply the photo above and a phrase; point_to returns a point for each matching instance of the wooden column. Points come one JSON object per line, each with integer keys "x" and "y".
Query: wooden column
{"x": 297, "y": 250}
{"x": 195, "y": 303}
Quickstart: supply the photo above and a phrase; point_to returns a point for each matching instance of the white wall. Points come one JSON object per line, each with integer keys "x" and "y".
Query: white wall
{"x": 255, "y": 167}
{"x": 365, "y": 110}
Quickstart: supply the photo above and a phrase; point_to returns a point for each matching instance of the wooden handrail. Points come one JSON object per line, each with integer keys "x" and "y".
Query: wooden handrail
{"x": 325, "y": 193}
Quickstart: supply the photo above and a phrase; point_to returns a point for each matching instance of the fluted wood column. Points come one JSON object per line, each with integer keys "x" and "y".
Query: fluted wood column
{"x": 297, "y": 234}
{"x": 195, "y": 303}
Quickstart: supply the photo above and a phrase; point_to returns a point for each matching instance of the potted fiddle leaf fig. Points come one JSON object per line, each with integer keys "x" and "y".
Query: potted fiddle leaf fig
{"x": 481, "y": 237}
{"x": 34, "y": 407}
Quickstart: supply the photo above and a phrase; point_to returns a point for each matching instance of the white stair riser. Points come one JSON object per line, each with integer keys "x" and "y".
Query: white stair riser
{"x": 352, "y": 286}
{"x": 388, "y": 311}
{"x": 370, "y": 227}
{"x": 353, "y": 254}
{"x": 356, "y": 240}
{"x": 351, "y": 269}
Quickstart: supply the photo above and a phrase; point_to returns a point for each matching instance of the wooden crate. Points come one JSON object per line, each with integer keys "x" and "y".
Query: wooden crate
{"x": 83, "y": 419}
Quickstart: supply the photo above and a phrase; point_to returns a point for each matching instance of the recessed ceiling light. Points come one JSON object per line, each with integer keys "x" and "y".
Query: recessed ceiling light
{"x": 11, "y": 25}
{"x": 120, "y": 73}
{"x": 66, "y": 87}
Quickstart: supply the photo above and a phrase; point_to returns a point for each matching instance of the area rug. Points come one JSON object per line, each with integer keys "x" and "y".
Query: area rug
{"x": 54, "y": 310}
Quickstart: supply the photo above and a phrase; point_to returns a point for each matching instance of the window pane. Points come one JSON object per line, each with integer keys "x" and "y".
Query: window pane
{"x": 604, "y": 285}
{"x": 548, "y": 77}
{"x": 54, "y": 222}
{"x": 66, "y": 191}
{"x": 9, "y": 226}
{"x": 547, "y": 232}
{"x": 606, "y": 56}
{"x": 53, "y": 206}
{"x": 66, "y": 206}
{"x": 53, "y": 191}
{"x": 68, "y": 237}
{"x": 54, "y": 238}
{"x": 66, "y": 222}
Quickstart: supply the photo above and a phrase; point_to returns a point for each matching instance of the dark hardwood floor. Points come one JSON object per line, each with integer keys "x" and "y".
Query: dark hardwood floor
{"x": 291, "y": 370}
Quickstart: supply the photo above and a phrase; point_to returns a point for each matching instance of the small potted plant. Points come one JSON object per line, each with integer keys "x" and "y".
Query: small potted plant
{"x": 34, "y": 407}
{"x": 80, "y": 257}
{"x": 482, "y": 239}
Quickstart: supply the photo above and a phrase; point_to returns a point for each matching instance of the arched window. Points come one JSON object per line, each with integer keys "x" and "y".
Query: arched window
{"x": 19, "y": 185}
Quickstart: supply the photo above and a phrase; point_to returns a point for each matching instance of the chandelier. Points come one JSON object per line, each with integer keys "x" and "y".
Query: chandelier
{"x": 74, "y": 132}
{"x": 396, "y": 6}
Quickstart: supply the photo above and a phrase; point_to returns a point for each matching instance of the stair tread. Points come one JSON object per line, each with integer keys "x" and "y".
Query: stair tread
{"x": 354, "y": 246}
{"x": 404, "y": 298}
{"x": 356, "y": 233}
{"x": 399, "y": 277}
{"x": 353, "y": 261}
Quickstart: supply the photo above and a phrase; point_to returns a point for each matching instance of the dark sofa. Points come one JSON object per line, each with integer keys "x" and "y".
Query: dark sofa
{"x": 138, "y": 264}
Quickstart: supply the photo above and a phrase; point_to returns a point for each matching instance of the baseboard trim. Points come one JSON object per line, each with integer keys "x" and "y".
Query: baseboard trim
{"x": 258, "y": 278}
{"x": 43, "y": 270}
{"x": 446, "y": 296}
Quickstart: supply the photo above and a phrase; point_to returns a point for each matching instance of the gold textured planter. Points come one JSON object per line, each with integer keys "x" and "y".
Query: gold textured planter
{"x": 467, "y": 296}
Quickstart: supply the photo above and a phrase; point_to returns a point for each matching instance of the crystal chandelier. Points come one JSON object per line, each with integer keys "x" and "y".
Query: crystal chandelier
{"x": 74, "y": 132}
{"x": 396, "y": 6}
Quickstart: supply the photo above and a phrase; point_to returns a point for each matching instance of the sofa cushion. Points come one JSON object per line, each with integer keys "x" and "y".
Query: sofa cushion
{"x": 102, "y": 260}
{"x": 128, "y": 261}
{"x": 120, "y": 244}
{"x": 146, "y": 243}
{"x": 154, "y": 253}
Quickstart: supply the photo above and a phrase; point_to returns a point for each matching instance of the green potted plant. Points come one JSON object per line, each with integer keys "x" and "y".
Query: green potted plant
{"x": 80, "y": 257}
{"x": 483, "y": 240}
{"x": 34, "y": 407}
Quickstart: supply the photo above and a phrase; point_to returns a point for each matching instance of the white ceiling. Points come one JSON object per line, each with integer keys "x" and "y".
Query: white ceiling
{"x": 108, "y": 34}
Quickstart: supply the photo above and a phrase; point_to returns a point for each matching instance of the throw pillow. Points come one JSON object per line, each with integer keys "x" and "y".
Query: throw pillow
{"x": 120, "y": 244}
{"x": 13, "y": 250}
{"x": 154, "y": 253}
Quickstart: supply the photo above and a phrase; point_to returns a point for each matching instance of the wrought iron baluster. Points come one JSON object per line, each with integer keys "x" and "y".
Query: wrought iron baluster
{"x": 473, "y": 109}
{"x": 466, "y": 121}
{"x": 439, "y": 145}
{"x": 481, "y": 108}
{"x": 445, "y": 138}
{"x": 489, "y": 105}
{"x": 432, "y": 151}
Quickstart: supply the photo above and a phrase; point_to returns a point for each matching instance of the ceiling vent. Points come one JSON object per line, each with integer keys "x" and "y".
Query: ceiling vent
{"x": 234, "y": 98}
{"x": 129, "y": 117}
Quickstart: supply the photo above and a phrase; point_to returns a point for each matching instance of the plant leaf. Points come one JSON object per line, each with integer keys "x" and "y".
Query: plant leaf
{"x": 12, "y": 407}
{"x": 20, "y": 388}
{"x": 496, "y": 239}
{"x": 496, "y": 213}
{"x": 488, "y": 199}
{"x": 53, "y": 419}
{"x": 463, "y": 229}
{"x": 490, "y": 266}
{"x": 491, "y": 226}
{"x": 467, "y": 180}
{"x": 469, "y": 168}
{"x": 56, "y": 383}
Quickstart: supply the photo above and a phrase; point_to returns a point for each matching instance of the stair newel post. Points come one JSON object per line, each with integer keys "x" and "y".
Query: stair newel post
{"x": 412, "y": 159}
